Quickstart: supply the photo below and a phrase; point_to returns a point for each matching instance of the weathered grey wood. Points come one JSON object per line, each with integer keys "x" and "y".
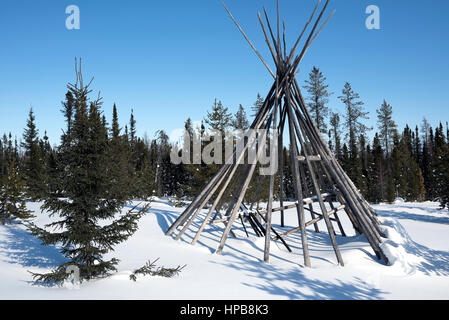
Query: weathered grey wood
{"x": 278, "y": 34}
{"x": 328, "y": 214}
{"x": 277, "y": 235}
{"x": 292, "y": 52}
{"x": 356, "y": 201}
{"x": 315, "y": 162}
{"x": 256, "y": 124}
{"x": 319, "y": 214}
{"x": 310, "y": 204}
{"x": 255, "y": 227}
{"x": 299, "y": 58}
{"x": 276, "y": 45}
{"x": 273, "y": 54}
{"x": 317, "y": 191}
{"x": 272, "y": 158}
{"x": 194, "y": 203}
{"x": 337, "y": 181}
{"x": 310, "y": 158}
{"x": 221, "y": 192}
{"x": 230, "y": 186}
{"x": 200, "y": 207}
{"x": 285, "y": 207}
{"x": 238, "y": 188}
{"x": 250, "y": 43}
{"x": 283, "y": 37}
{"x": 239, "y": 200}
{"x": 271, "y": 185}
{"x": 310, "y": 134}
{"x": 243, "y": 225}
{"x": 309, "y": 223}
{"x": 256, "y": 194}
{"x": 281, "y": 163}
{"x": 342, "y": 181}
{"x": 340, "y": 226}
{"x": 297, "y": 185}
{"x": 306, "y": 201}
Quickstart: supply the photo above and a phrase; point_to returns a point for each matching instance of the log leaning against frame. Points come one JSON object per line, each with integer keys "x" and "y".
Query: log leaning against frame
{"x": 317, "y": 176}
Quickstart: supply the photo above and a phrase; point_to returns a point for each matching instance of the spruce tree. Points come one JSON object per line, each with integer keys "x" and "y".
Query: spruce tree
{"x": 377, "y": 172}
{"x": 202, "y": 172}
{"x": 219, "y": 118}
{"x": 395, "y": 173}
{"x": 34, "y": 173}
{"x": 440, "y": 162}
{"x": 6, "y": 154}
{"x": 318, "y": 98}
{"x": 425, "y": 167}
{"x": 12, "y": 197}
{"x": 335, "y": 134}
{"x": 354, "y": 167}
{"x": 432, "y": 192}
{"x": 89, "y": 224}
{"x": 188, "y": 168}
{"x": 344, "y": 160}
{"x": 132, "y": 129}
{"x": 240, "y": 121}
{"x": 163, "y": 166}
{"x": 356, "y": 130}
{"x": 2, "y": 159}
{"x": 148, "y": 187}
{"x": 354, "y": 115}
{"x": 370, "y": 175}
{"x": 67, "y": 110}
{"x": 390, "y": 190}
{"x": 120, "y": 158}
{"x": 410, "y": 168}
{"x": 258, "y": 104}
{"x": 405, "y": 171}
{"x": 386, "y": 125}
{"x": 417, "y": 153}
{"x": 219, "y": 121}
{"x": 364, "y": 159}
{"x": 425, "y": 130}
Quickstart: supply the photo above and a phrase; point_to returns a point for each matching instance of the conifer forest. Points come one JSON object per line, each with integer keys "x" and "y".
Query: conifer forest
{"x": 312, "y": 166}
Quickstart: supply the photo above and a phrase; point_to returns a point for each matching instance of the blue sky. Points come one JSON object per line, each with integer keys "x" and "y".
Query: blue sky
{"x": 168, "y": 60}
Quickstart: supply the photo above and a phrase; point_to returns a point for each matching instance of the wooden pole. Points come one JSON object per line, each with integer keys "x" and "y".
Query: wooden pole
{"x": 203, "y": 203}
{"x": 273, "y": 154}
{"x": 220, "y": 194}
{"x": 256, "y": 124}
{"x": 318, "y": 192}
{"x": 281, "y": 175}
{"x": 239, "y": 200}
{"x": 250, "y": 43}
{"x": 298, "y": 188}
{"x": 343, "y": 182}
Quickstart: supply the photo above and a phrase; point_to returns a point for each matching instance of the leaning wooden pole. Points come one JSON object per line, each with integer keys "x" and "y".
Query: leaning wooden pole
{"x": 273, "y": 154}
{"x": 297, "y": 186}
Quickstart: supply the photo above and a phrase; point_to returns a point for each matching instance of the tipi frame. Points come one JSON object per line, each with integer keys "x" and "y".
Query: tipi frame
{"x": 317, "y": 175}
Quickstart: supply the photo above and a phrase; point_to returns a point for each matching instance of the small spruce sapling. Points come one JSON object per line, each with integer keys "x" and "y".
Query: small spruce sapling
{"x": 149, "y": 269}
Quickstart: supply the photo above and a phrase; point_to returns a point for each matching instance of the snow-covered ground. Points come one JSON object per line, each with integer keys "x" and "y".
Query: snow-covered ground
{"x": 418, "y": 246}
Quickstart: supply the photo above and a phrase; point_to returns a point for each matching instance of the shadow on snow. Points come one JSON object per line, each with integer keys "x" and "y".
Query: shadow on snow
{"x": 392, "y": 213}
{"x": 293, "y": 283}
{"x": 22, "y": 248}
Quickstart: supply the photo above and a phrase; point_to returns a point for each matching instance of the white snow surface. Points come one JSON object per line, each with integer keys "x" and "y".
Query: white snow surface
{"x": 417, "y": 247}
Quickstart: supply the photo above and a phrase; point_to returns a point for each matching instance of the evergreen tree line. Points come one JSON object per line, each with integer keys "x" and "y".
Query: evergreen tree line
{"x": 412, "y": 164}
{"x": 97, "y": 168}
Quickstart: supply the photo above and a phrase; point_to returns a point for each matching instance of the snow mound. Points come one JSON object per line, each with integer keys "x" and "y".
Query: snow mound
{"x": 395, "y": 248}
{"x": 399, "y": 201}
